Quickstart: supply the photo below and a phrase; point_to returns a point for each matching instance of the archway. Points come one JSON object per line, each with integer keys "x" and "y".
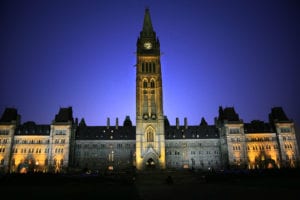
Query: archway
{"x": 150, "y": 164}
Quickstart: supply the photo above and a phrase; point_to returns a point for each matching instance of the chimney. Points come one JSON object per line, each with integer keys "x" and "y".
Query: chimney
{"x": 117, "y": 123}
{"x": 185, "y": 123}
{"x": 177, "y": 123}
{"x": 108, "y": 123}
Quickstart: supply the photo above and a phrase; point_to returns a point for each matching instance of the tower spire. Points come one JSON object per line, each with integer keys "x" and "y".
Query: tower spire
{"x": 147, "y": 26}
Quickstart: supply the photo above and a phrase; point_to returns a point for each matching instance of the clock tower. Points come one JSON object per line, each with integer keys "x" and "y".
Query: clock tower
{"x": 150, "y": 137}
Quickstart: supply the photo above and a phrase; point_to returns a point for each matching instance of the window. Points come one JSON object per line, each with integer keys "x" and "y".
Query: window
{"x": 234, "y": 130}
{"x": 285, "y": 130}
{"x": 60, "y": 132}
{"x": 145, "y": 84}
{"x": 111, "y": 156}
{"x": 4, "y": 132}
{"x": 150, "y": 137}
{"x": 152, "y": 84}
{"x": 153, "y": 65}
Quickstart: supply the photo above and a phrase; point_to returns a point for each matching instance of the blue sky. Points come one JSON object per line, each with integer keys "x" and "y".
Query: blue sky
{"x": 215, "y": 53}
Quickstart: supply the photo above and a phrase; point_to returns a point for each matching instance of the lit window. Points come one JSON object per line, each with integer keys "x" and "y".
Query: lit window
{"x": 150, "y": 137}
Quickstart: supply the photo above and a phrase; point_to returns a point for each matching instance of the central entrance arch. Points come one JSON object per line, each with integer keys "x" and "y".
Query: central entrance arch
{"x": 150, "y": 163}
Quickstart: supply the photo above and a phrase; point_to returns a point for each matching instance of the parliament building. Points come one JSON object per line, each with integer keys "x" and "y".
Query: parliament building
{"x": 67, "y": 144}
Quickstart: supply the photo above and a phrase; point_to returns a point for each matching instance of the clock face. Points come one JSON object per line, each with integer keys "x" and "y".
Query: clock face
{"x": 147, "y": 45}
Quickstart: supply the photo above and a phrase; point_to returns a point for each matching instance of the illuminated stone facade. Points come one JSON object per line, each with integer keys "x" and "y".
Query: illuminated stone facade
{"x": 66, "y": 144}
{"x": 150, "y": 132}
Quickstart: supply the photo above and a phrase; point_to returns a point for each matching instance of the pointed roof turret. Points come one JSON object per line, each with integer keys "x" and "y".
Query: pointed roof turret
{"x": 147, "y": 26}
{"x": 148, "y": 35}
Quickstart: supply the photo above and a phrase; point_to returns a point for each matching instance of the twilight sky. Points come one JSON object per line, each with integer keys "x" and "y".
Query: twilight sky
{"x": 81, "y": 53}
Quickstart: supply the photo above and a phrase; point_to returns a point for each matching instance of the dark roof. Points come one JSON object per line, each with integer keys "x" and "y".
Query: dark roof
{"x": 192, "y": 132}
{"x": 127, "y": 122}
{"x": 228, "y": 114}
{"x": 82, "y": 122}
{"x": 105, "y": 133}
{"x": 9, "y": 115}
{"x": 257, "y": 126}
{"x": 277, "y": 115}
{"x": 203, "y": 122}
{"x": 166, "y": 121}
{"x": 30, "y": 128}
{"x": 64, "y": 115}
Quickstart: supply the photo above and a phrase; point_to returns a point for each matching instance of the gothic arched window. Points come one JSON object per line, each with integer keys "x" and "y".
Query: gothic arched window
{"x": 145, "y": 84}
{"x": 150, "y": 136}
{"x": 152, "y": 84}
